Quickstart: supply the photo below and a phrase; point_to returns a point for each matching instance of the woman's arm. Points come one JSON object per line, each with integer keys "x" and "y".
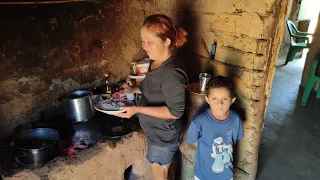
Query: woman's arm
{"x": 136, "y": 90}
{"x": 173, "y": 87}
{"x": 128, "y": 89}
{"x": 159, "y": 112}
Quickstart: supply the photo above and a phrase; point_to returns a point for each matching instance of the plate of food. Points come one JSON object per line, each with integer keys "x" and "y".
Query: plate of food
{"x": 112, "y": 106}
{"x": 137, "y": 76}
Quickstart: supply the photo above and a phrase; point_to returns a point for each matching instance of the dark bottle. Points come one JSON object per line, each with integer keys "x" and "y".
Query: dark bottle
{"x": 213, "y": 50}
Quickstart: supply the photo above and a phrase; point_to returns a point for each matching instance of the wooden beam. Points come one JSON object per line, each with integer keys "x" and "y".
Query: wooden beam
{"x": 43, "y": 2}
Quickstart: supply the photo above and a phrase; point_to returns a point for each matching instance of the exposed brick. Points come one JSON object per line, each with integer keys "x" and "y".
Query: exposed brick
{"x": 249, "y": 24}
{"x": 239, "y": 58}
{"x": 249, "y": 84}
{"x": 245, "y": 43}
{"x": 240, "y": 42}
{"x": 215, "y": 6}
{"x": 248, "y": 91}
{"x": 255, "y": 78}
{"x": 230, "y": 6}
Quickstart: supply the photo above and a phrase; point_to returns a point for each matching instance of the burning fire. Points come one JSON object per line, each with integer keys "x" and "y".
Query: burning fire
{"x": 82, "y": 139}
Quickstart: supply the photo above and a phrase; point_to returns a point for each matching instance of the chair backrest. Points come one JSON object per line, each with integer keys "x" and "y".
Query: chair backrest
{"x": 317, "y": 73}
{"x": 292, "y": 28}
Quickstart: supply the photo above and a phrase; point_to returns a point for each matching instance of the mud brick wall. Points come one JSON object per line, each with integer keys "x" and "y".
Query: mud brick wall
{"x": 46, "y": 52}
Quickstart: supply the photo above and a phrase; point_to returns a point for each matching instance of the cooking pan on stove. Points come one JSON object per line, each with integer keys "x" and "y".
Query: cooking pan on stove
{"x": 36, "y": 147}
{"x": 119, "y": 129}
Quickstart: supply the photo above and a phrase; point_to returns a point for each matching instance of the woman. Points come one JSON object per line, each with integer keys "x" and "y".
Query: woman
{"x": 163, "y": 92}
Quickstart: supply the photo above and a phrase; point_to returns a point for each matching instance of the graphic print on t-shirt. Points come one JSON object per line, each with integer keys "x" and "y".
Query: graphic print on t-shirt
{"x": 222, "y": 153}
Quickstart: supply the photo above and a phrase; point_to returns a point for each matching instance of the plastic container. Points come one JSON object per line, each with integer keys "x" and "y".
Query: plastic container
{"x": 134, "y": 69}
{"x": 143, "y": 66}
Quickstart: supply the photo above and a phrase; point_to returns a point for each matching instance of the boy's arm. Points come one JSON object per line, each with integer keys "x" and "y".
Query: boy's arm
{"x": 194, "y": 132}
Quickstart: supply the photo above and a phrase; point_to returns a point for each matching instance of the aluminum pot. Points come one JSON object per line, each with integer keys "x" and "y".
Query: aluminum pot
{"x": 78, "y": 105}
{"x": 36, "y": 147}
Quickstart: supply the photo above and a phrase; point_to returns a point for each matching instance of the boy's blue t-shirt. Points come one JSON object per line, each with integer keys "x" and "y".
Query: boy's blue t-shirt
{"x": 215, "y": 144}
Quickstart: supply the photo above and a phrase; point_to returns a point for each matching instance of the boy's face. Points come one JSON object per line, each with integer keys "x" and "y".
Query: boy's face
{"x": 219, "y": 100}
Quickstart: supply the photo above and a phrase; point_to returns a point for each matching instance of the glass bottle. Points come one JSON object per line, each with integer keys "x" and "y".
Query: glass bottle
{"x": 107, "y": 84}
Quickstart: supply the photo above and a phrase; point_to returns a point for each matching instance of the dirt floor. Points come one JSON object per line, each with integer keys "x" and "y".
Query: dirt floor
{"x": 291, "y": 138}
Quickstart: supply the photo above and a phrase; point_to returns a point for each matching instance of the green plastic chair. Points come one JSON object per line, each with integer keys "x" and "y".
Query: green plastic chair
{"x": 295, "y": 34}
{"x": 314, "y": 77}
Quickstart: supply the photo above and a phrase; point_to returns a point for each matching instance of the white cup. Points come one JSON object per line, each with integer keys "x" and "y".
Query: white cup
{"x": 130, "y": 96}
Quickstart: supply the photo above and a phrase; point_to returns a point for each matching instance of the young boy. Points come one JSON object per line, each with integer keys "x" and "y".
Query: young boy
{"x": 216, "y": 130}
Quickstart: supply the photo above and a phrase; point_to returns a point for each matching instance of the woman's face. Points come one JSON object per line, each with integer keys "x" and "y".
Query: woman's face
{"x": 154, "y": 46}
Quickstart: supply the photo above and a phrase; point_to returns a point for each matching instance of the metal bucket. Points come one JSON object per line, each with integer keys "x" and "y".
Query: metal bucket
{"x": 195, "y": 102}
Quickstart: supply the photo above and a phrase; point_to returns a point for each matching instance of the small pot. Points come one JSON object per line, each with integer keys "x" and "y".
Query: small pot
{"x": 36, "y": 147}
{"x": 78, "y": 105}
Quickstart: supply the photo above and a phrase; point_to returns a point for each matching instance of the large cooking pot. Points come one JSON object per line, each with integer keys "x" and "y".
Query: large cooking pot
{"x": 37, "y": 147}
{"x": 78, "y": 105}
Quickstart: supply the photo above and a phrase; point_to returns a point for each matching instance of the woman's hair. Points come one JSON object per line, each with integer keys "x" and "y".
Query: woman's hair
{"x": 220, "y": 82}
{"x": 164, "y": 28}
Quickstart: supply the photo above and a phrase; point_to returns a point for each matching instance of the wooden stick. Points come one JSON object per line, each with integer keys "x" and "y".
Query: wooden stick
{"x": 44, "y": 2}
{"x": 83, "y": 19}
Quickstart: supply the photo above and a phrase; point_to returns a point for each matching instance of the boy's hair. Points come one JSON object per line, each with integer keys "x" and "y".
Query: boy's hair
{"x": 219, "y": 82}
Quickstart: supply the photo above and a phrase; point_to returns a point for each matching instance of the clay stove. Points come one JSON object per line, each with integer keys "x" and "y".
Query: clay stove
{"x": 88, "y": 150}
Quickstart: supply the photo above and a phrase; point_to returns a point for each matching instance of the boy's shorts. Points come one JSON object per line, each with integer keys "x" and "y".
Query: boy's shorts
{"x": 161, "y": 155}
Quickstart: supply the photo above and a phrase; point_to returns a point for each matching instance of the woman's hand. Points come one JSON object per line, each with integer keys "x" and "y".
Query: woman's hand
{"x": 130, "y": 111}
{"x": 126, "y": 88}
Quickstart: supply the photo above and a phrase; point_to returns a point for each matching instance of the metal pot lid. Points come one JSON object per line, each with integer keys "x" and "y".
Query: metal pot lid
{"x": 77, "y": 94}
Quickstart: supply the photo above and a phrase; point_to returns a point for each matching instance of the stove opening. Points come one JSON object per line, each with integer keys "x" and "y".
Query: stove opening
{"x": 82, "y": 139}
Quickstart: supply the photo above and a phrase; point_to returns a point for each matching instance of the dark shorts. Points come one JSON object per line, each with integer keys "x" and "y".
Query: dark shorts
{"x": 161, "y": 155}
